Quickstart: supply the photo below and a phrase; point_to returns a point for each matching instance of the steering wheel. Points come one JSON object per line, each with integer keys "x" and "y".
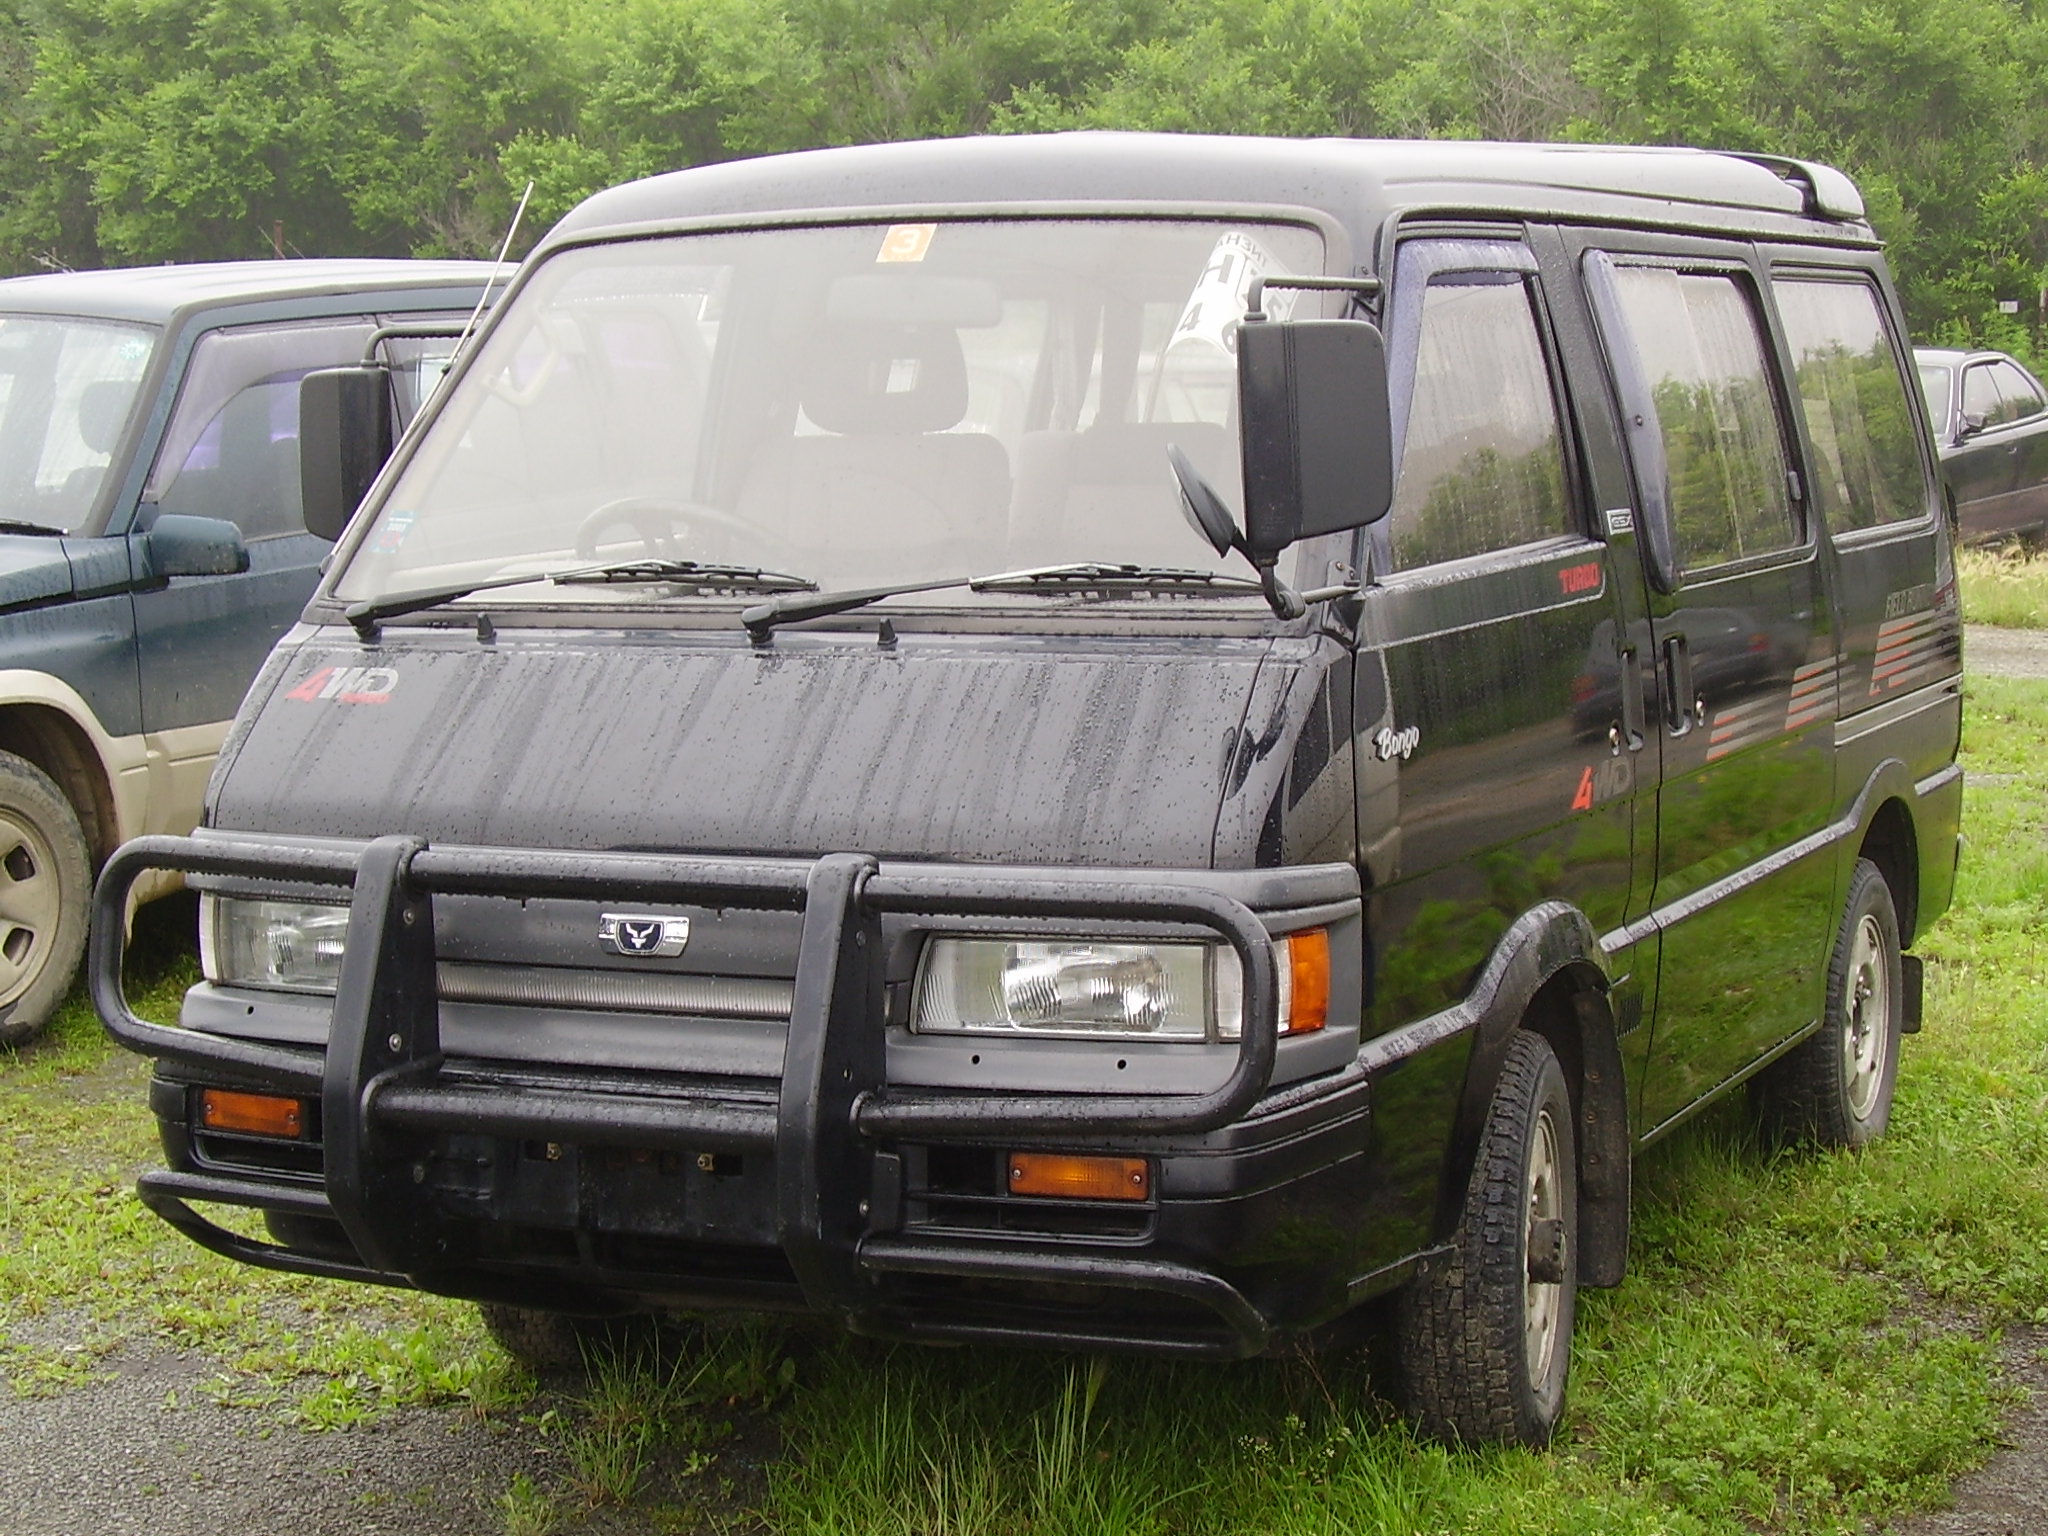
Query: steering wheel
{"x": 658, "y": 519}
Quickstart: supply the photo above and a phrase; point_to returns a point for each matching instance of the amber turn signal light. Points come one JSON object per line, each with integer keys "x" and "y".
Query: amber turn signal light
{"x": 252, "y": 1114}
{"x": 1308, "y": 965}
{"x": 1079, "y": 1178}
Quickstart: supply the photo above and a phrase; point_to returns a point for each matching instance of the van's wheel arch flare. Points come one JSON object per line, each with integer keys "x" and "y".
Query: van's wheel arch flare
{"x": 1485, "y": 1339}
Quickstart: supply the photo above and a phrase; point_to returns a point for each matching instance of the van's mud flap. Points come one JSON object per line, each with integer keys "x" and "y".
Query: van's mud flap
{"x": 384, "y": 1099}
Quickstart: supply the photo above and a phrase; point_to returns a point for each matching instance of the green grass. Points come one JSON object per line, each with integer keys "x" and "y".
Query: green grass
{"x": 1806, "y": 1343}
{"x": 2007, "y": 585}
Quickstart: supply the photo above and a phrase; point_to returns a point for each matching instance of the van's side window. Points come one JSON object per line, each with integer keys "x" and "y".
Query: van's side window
{"x": 1859, "y": 416}
{"x": 1482, "y": 463}
{"x": 1702, "y": 354}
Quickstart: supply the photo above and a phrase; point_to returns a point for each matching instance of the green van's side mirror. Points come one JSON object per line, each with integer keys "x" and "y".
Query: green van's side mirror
{"x": 1317, "y": 441}
{"x": 178, "y": 545}
{"x": 344, "y": 439}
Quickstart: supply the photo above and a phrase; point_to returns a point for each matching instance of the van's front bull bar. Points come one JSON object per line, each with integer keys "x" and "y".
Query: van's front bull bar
{"x": 379, "y": 1082}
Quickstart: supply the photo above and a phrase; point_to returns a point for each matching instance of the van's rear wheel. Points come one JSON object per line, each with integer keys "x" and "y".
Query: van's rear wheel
{"x": 45, "y": 891}
{"x": 1486, "y": 1335}
{"x": 1835, "y": 1087}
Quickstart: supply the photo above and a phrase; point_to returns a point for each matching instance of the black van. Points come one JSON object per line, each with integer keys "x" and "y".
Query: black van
{"x": 1112, "y": 741}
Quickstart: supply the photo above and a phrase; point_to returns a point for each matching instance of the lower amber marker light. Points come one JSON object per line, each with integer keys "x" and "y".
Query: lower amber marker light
{"x": 1079, "y": 1178}
{"x": 252, "y": 1114}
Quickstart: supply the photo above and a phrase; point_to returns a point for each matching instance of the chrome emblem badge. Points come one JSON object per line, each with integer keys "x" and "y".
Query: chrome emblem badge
{"x": 644, "y": 936}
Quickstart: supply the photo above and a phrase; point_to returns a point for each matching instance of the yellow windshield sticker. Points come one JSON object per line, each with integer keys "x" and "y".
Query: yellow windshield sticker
{"x": 907, "y": 242}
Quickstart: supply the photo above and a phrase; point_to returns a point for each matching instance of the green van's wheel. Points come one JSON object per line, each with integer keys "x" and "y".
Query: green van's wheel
{"x": 1835, "y": 1087}
{"x": 45, "y": 892}
{"x": 1486, "y": 1335}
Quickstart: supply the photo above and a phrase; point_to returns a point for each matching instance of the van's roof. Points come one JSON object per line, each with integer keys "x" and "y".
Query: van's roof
{"x": 155, "y": 294}
{"x": 1357, "y": 181}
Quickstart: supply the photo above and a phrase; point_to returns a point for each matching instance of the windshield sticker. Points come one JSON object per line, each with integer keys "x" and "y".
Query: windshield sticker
{"x": 907, "y": 242}
{"x": 347, "y": 685}
{"x": 1216, "y": 307}
{"x": 391, "y": 532}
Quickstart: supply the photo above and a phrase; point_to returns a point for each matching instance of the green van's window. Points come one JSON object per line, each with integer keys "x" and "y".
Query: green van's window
{"x": 1859, "y": 415}
{"x": 232, "y": 447}
{"x": 1702, "y": 353}
{"x": 1482, "y": 463}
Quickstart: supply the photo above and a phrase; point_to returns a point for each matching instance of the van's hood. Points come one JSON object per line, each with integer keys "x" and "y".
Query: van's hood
{"x": 1109, "y": 751}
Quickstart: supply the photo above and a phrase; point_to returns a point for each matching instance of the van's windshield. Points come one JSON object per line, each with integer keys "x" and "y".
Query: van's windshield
{"x": 67, "y": 389}
{"x": 853, "y": 405}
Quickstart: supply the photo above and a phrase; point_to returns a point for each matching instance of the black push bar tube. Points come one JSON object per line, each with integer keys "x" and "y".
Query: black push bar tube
{"x": 772, "y": 884}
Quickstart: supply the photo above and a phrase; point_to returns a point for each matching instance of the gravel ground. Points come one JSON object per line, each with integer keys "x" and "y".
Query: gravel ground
{"x": 144, "y": 1447}
{"x": 2008, "y": 1495}
{"x": 2005, "y": 653}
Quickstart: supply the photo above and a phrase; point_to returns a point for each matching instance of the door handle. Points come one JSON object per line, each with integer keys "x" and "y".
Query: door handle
{"x": 1633, "y": 726}
{"x": 1681, "y": 709}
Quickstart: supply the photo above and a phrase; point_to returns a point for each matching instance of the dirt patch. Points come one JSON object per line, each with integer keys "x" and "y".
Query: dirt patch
{"x": 2005, "y": 653}
{"x": 145, "y": 1448}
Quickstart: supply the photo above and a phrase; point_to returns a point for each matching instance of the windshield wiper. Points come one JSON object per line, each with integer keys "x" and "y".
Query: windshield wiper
{"x": 41, "y": 530}
{"x": 1103, "y": 573}
{"x": 762, "y": 618}
{"x": 725, "y": 578}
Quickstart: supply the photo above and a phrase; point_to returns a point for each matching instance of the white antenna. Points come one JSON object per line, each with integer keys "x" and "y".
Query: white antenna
{"x": 485, "y": 297}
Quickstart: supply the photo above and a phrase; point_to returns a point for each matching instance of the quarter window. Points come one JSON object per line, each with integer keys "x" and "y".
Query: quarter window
{"x": 1482, "y": 462}
{"x": 1702, "y": 354}
{"x": 1859, "y": 416}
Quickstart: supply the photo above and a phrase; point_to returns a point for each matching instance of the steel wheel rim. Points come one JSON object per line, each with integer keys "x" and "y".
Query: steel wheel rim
{"x": 1542, "y": 1300}
{"x": 30, "y": 905}
{"x": 1866, "y": 1005}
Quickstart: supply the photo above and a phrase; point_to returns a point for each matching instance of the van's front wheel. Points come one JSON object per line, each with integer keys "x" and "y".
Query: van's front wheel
{"x": 556, "y": 1341}
{"x": 45, "y": 890}
{"x": 1486, "y": 1334}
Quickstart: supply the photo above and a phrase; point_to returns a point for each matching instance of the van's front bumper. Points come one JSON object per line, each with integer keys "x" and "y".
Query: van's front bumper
{"x": 828, "y": 1188}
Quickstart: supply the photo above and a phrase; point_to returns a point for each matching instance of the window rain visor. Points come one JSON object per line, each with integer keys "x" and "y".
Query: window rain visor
{"x": 859, "y": 405}
{"x": 67, "y": 390}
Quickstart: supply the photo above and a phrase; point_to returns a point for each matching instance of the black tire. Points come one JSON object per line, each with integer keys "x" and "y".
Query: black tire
{"x": 1485, "y": 1335}
{"x": 556, "y": 1341}
{"x": 45, "y": 897}
{"x": 1834, "y": 1089}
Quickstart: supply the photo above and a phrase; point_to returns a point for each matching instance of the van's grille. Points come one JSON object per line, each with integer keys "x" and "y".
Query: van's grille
{"x": 730, "y": 997}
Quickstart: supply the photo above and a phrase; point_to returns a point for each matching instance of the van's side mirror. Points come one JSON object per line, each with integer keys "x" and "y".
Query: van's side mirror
{"x": 177, "y": 545}
{"x": 344, "y": 439}
{"x": 1317, "y": 440}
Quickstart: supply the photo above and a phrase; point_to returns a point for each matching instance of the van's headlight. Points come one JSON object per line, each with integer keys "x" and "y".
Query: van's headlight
{"x": 291, "y": 946}
{"x": 1083, "y": 989}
